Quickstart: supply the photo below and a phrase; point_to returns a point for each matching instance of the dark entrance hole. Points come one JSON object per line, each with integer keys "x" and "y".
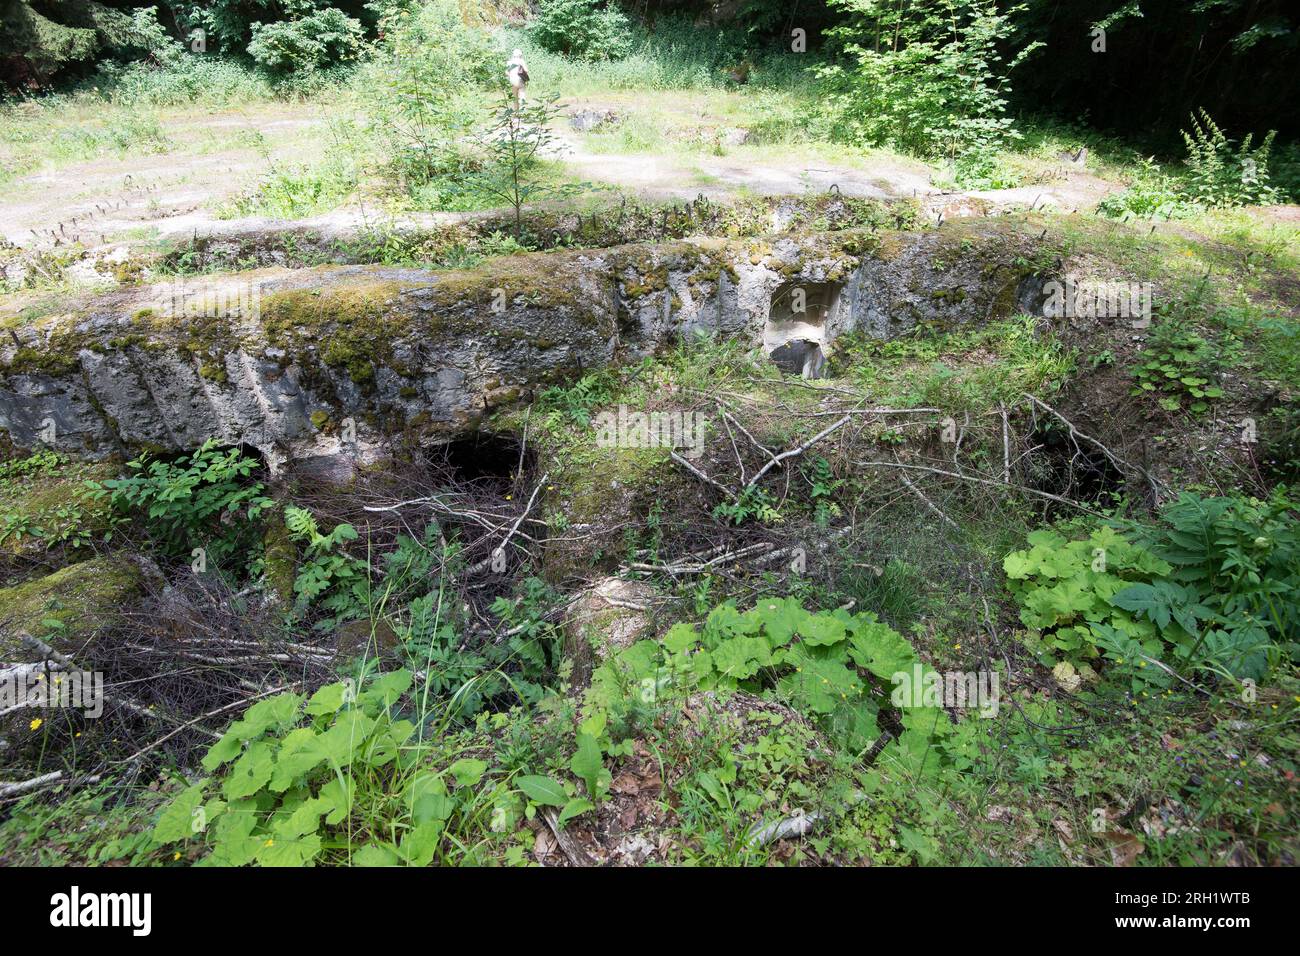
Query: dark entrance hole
{"x": 490, "y": 461}
{"x": 1071, "y": 468}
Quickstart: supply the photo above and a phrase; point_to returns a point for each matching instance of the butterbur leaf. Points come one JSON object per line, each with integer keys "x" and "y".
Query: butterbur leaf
{"x": 251, "y": 772}
{"x": 821, "y": 685}
{"x": 877, "y": 647}
{"x": 822, "y": 630}
{"x": 327, "y": 700}
{"x": 339, "y": 796}
{"x": 543, "y": 790}
{"x": 639, "y": 661}
{"x": 741, "y": 657}
{"x": 299, "y": 754}
{"x": 304, "y": 819}
{"x": 176, "y": 822}
{"x": 680, "y": 637}
{"x": 781, "y": 617}
{"x": 1017, "y": 565}
{"x": 279, "y": 851}
{"x": 385, "y": 689}
{"x": 224, "y": 750}
{"x": 725, "y": 621}
{"x": 280, "y": 711}
{"x": 347, "y": 735}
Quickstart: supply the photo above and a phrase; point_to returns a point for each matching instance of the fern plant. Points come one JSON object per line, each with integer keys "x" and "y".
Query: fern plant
{"x": 1210, "y": 588}
{"x": 343, "y": 581}
{"x": 1235, "y": 576}
{"x": 753, "y": 502}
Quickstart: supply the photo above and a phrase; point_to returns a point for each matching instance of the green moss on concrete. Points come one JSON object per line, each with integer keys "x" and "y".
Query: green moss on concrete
{"x": 351, "y": 327}
{"x": 280, "y": 560}
{"x": 83, "y": 598}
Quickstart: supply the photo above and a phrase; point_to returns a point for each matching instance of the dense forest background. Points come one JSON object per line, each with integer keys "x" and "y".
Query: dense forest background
{"x": 1137, "y": 68}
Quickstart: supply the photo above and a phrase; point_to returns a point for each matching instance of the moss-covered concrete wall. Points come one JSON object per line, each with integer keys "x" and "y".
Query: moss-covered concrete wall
{"x": 305, "y": 363}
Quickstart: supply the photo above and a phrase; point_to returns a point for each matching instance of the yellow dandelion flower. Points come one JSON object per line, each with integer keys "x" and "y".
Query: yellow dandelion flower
{"x": 36, "y": 724}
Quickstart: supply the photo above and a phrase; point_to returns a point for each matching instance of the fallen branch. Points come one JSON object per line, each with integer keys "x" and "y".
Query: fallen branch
{"x": 735, "y": 450}
{"x": 928, "y": 503}
{"x": 50, "y": 654}
{"x": 727, "y": 416}
{"x": 501, "y": 548}
{"x": 723, "y": 558}
{"x": 1006, "y": 443}
{"x": 988, "y": 481}
{"x": 8, "y": 790}
{"x": 702, "y": 476}
{"x": 800, "y": 824}
{"x": 797, "y": 451}
{"x": 573, "y": 850}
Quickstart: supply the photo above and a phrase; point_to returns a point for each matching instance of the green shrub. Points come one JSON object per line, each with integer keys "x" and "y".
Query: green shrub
{"x": 323, "y": 38}
{"x": 421, "y": 91}
{"x": 824, "y": 664}
{"x": 939, "y": 89}
{"x": 327, "y": 576}
{"x": 1240, "y": 557}
{"x": 190, "y": 78}
{"x": 512, "y": 143}
{"x": 588, "y": 29}
{"x": 229, "y": 25}
{"x": 291, "y": 192}
{"x": 1064, "y": 589}
{"x": 1152, "y": 195}
{"x": 292, "y": 772}
{"x": 193, "y": 502}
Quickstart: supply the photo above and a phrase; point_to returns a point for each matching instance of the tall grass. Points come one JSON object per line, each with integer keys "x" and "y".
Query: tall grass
{"x": 674, "y": 55}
